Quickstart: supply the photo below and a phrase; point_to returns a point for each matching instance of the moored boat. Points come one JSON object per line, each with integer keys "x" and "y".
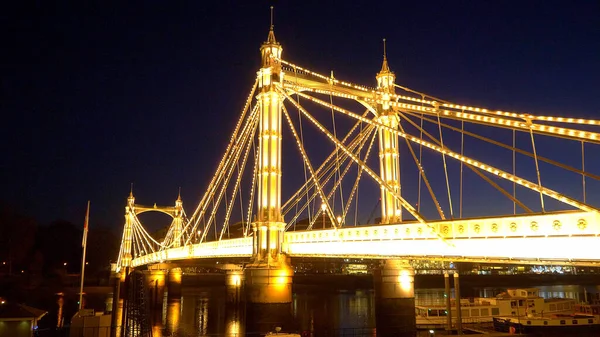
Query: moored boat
{"x": 512, "y": 303}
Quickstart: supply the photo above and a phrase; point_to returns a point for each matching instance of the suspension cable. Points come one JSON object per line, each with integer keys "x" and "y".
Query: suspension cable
{"x": 420, "y": 162}
{"x": 583, "y": 169}
{"x": 253, "y": 188}
{"x": 476, "y": 171}
{"x": 354, "y": 190}
{"x": 537, "y": 169}
{"x": 462, "y": 153}
{"x": 300, "y": 126}
{"x": 359, "y": 145}
{"x": 308, "y": 164}
{"x": 422, "y": 171}
{"x": 514, "y": 169}
{"x": 237, "y": 185}
{"x": 369, "y": 171}
{"x": 326, "y": 175}
{"x": 336, "y": 149}
{"x": 445, "y": 167}
{"x": 488, "y": 168}
{"x": 325, "y": 166}
{"x": 511, "y": 148}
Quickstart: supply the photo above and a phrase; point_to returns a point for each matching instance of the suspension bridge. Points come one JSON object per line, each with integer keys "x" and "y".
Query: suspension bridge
{"x": 310, "y": 152}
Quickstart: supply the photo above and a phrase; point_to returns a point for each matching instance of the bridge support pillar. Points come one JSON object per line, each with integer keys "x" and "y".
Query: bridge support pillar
{"x": 156, "y": 281}
{"x": 174, "y": 283}
{"x": 395, "y": 299}
{"x": 235, "y": 285}
{"x": 269, "y": 283}
{"x": 269, "y": 297}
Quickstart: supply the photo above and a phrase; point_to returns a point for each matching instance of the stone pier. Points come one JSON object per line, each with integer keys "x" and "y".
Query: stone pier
{"x": 395, "y": 299}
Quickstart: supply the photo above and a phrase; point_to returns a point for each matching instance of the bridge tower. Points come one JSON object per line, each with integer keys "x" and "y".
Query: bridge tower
{"x": 128, "y": 231}
{"x": 269, "y": 226}
{"x": 178, "y": 222}
{"x": 391, "y": 211}
{"x": 269, "y": 278}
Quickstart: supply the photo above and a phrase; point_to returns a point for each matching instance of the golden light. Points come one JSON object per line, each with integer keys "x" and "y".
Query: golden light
{"x": 323, "y": 207}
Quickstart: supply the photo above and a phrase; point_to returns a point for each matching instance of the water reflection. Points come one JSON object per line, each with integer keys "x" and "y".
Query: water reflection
{"x": 314, "y": 311}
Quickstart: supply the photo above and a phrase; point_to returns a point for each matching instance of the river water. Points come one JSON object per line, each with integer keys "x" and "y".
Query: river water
{"x": 322, "y": 311}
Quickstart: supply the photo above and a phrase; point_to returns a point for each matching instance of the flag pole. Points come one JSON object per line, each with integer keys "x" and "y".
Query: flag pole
{"x": 84, "y": 245}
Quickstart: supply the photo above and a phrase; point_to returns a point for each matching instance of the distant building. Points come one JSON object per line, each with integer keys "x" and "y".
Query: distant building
{"x": 18, "y": 320}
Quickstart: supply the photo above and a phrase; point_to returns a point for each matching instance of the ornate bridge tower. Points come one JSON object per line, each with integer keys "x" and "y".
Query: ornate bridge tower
{"x": 128, "y": 232}
{"x": 391, "y": 211}
{"x": 269, "y": 278}
{"x": 269, "y": 226}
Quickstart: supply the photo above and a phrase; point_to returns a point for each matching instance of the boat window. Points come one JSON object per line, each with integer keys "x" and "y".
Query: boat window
{"x": 485, "y": 312}
{"x": 528, "y": 322}
{"x": 513, "y": 304}
{"x": 562, "y": 321}
{"x": 590, "y": 321}
{"x": 545, "y": 322}
{"x": 495, "y": 311}
{"x": 465, "y": 313}
{"x": 521, "y": 303}
{"x": 574, "y": 321}
{"x": 552, "y": 307}
{"x": 474, "y": 312}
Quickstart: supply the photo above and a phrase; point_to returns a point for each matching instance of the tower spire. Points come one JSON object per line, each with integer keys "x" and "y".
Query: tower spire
{"x": 271, "y": 37}
{"x": 384, "y": 66}
{"x": 131, "y": 191}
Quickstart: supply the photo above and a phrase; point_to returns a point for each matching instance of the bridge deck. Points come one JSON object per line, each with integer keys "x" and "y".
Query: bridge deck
{"x": 551, "y": 238}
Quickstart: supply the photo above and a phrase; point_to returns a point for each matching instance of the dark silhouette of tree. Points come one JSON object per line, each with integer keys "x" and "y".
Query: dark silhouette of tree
{"x": 60, "y": 243}
{"x": 17, "y": 238}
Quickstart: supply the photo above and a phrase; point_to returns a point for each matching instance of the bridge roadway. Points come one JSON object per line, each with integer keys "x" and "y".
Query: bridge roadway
{"x": 559, "y": 238}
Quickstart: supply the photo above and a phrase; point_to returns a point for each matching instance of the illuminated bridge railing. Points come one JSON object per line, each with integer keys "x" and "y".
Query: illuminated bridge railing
{"x": 552, "y": 237}
{"x": 225, "y": 248}
{"x": 565, "y": 237}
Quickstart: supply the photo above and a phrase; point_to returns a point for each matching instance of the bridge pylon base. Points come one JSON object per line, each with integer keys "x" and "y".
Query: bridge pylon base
{"x": 395, "y": 299}
{"x": 174, "y": 283}
{"x": 269, "y": 283}
{"x": 156, "y": 281}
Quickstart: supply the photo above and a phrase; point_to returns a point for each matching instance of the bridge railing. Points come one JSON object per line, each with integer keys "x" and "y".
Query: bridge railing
{"x": 554, "y": 238}
{"x": 225, "y": 248}
{"x": 540, "y": 225}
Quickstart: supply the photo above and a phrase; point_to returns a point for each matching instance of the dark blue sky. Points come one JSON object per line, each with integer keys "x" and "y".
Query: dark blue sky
{"x": 94, "y": 97}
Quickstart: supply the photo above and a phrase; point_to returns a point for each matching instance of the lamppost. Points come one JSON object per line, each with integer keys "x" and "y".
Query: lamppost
{"x": 198, "y": 235}
{"x": 323, "y": 208}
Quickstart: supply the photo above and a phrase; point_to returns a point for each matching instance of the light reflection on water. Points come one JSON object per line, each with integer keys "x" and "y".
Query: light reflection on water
{"x": 206, "y": 312}
{"x": 212, "y": 311}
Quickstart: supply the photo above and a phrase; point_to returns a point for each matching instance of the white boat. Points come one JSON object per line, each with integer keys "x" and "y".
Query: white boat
{"x": 512, "y": 303}
{"x": 585, "y": 320}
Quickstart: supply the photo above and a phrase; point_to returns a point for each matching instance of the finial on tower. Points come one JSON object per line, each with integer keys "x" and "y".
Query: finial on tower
{"x": 271, "y": 38}
{"x": 131, "y": 191}
{"x": 179, "y": 194}
{"x": 384, "y": 66}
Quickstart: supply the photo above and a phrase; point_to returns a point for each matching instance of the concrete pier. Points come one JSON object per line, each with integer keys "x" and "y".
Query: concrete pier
{"x": 395, "y": 299}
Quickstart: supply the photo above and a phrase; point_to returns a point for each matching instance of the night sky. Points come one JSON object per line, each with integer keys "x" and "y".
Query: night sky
{"x": 95, "y": 97}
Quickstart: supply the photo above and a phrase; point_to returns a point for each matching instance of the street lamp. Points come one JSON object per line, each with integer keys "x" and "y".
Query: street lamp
{"x": 198, "y": 235}
{"x": 323, "y": 208}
